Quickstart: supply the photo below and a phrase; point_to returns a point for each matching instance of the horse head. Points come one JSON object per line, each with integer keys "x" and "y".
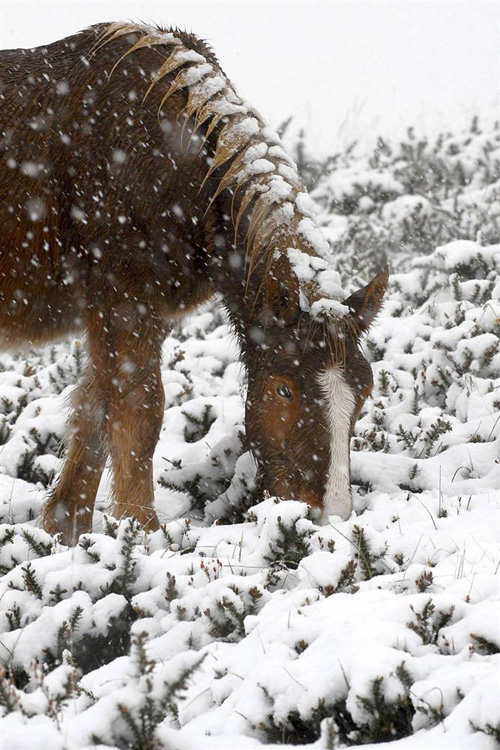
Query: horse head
{"x": 308, "y": 380}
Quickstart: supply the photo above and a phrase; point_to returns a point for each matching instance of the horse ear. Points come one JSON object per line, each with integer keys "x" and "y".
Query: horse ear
{"x": 282, "y": 292}
{"x": 366, "y": 302}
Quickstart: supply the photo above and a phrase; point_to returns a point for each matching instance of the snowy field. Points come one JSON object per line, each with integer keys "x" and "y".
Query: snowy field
{"x": 241, "y": 623}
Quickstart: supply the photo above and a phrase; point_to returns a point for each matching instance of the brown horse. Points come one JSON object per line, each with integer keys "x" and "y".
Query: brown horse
{"x": 135, "y": 184}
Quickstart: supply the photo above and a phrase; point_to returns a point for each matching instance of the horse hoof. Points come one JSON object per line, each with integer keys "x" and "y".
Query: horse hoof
{"x": 146, "y": 517}
{"x": 152, "y": 524}
{"x": 68, "y": 529}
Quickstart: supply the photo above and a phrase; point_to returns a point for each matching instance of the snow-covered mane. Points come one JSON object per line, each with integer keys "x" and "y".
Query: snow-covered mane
{"x": 260, "y": 172}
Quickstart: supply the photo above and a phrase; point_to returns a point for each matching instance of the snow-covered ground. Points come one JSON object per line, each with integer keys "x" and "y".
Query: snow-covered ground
{"x": 242, "y": 623}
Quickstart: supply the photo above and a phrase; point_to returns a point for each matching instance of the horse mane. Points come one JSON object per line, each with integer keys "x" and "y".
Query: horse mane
{"x": 259, "y": 172}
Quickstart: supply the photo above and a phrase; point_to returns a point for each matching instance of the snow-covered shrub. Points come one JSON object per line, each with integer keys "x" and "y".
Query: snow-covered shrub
{"x": 242, "y": 622}
{"x": 404, "y": 200}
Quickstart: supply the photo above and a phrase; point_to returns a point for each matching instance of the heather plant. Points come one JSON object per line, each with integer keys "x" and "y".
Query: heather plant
{"x": 402, "y": 200}
{"x": 384, "y": 719}
{"x": 248, "y": 619}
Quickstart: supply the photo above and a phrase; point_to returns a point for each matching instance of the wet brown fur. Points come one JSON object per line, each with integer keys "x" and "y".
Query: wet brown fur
{"x": 113, "y": 225}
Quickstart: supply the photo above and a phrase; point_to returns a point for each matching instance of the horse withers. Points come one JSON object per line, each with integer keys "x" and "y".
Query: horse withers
{"x": 134, "y": 185}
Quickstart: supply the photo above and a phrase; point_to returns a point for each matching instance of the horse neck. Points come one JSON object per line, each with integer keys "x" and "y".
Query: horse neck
{"x": 228, "y": 262}
{"x": 247, "y": 196}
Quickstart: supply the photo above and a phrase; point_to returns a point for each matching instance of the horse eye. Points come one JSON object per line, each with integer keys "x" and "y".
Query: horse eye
{"x": 284, "y": 391}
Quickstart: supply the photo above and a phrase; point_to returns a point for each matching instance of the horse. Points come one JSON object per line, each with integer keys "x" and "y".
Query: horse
{"x": 136, "y": 184}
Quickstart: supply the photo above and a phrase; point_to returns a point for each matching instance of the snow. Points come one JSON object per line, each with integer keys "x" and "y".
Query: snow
{"x": 344, "y": 183}
{"x": 295, "y": 621}
{"x": 348, "y": 636}
{"x": 314, "y": 236}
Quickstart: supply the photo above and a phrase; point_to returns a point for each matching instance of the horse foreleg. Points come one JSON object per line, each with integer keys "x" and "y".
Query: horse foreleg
{"x": 135, "y": 417}
{"x": 71, "y": 502}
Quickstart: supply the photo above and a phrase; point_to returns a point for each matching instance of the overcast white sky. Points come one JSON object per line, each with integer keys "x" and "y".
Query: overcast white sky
{"x": 346, "y": 70}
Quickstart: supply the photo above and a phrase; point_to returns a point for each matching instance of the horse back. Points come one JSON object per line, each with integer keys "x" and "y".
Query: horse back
{"x": 89, "y": 176}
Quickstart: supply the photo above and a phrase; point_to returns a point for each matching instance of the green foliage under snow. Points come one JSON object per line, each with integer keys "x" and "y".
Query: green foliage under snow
{"x": 241, "y": 622}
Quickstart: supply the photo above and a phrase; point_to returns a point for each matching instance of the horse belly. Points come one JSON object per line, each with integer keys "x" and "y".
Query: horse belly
{"x": 38, "y": 315}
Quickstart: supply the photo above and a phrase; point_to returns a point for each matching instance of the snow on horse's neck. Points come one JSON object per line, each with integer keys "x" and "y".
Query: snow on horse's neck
{"x": 263, "y": 178}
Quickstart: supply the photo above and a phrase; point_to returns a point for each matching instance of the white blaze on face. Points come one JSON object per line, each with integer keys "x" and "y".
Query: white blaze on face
{"x": 340, "y": 405}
